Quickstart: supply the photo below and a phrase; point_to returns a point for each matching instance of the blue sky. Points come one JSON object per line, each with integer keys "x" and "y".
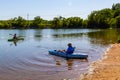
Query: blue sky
{"x": 48, "y": 9}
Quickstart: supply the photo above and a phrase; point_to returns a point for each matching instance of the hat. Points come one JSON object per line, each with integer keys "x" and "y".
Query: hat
{"x": 69, "y": 44}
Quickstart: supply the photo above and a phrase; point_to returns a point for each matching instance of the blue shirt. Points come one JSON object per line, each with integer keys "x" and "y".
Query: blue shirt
{"x": 70, "y": 50}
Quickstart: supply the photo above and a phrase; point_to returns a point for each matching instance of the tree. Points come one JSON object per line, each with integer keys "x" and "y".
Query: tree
{"x": 116, "y": 6}
{"x": 74, "y": 22}
{"x": 37, "y": 21}
{"x": 85, "y": 23}
{"x": 112, "y": 23}
{"x": 100, "y": 19}
{"x": 118, "y": 21}
{"x": 92, "y": 20}
{"x": 2, "y": 26}
{"x": 18, "y": 22}
{"x": 58, "y": 22}
{"x": 116, "y": 13}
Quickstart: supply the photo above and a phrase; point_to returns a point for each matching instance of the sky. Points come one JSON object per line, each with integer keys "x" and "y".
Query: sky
{"x": 48, "y": 9}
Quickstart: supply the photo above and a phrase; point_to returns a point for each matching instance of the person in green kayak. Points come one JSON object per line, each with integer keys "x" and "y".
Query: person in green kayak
{"x": 14, "y": 37}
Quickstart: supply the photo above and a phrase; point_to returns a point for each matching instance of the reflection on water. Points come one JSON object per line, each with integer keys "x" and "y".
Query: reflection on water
{"x": 29, "y": 59}
{"x": 58, "y": 63}
{"x": 104, "y": 37}
{"x": 70, "y": 64}
{"x": 14, "y": 42}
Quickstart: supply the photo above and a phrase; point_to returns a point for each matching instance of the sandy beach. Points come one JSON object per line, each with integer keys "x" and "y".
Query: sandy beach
{"x": 106, "y": 69}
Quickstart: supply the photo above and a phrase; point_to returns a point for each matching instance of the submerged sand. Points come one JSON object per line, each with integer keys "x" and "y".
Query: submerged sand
{"x": 106, "y": 69}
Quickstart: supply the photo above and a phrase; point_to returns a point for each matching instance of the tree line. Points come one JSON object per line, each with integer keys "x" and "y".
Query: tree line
{"x": 105, "y": 18}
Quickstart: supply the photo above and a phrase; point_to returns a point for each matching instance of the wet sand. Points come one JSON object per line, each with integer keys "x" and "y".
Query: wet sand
{"x": 107, "y": 68}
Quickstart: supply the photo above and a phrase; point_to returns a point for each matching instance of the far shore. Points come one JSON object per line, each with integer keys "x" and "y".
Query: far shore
{"x": 106, "y": 69}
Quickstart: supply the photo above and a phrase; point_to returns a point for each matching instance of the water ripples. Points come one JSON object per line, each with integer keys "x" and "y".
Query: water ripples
{"x": 30, "y": 60}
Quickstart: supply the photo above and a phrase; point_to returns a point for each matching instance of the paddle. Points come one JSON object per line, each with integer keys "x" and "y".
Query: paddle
{"x": 16, "y": 34}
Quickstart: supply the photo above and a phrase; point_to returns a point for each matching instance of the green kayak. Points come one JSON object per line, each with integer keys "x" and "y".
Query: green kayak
{"x": 19, "y": 38}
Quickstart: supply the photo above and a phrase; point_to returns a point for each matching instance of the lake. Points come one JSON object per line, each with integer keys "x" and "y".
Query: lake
{"x": 29, "y": 59}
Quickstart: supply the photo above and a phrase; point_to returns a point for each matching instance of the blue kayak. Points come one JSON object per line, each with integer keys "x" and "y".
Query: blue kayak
{"x": 69, "y": 56}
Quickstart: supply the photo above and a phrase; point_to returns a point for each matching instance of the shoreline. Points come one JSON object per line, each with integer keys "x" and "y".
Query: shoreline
{"x": 107, "y": 68}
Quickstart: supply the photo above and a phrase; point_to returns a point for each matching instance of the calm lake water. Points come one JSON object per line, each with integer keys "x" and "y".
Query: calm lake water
{"x": 29, "y": 59}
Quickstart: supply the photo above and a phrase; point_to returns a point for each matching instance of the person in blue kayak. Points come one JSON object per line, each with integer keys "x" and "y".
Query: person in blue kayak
{"x": 70, "y": 49}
